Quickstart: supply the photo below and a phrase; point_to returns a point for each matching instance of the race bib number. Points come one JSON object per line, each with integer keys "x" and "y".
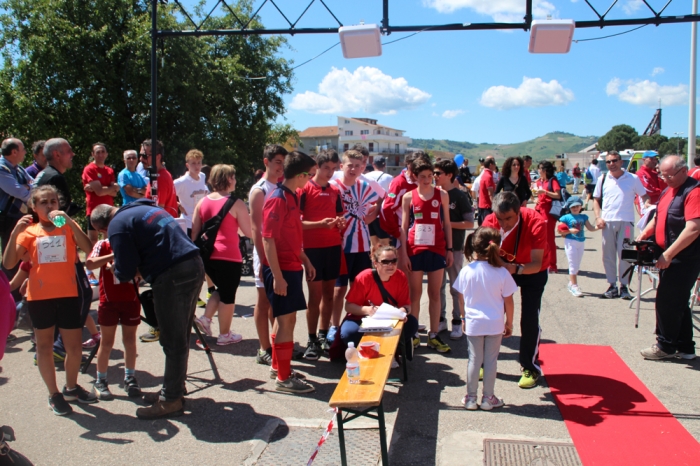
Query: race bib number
{"x": 425, "y": 235}
{"x": 197, "y": 198}
{"x": 51, "y": 249}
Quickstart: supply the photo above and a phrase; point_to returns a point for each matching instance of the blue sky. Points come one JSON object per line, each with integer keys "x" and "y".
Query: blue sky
{"x": 484, "y": 86}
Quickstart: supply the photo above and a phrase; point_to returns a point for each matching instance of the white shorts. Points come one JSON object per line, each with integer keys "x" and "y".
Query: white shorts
{"x": 574, "y": 254}
{"x": 256, "y": 270}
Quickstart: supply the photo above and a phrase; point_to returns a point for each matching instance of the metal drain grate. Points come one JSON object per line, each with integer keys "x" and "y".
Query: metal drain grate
{"x": 499, "y": 452}
{"x": 292, "y": 446}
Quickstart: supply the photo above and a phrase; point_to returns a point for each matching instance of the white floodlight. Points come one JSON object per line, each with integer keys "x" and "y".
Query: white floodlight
{"x": 551, "y": 35}
{"x": 360, "y": 41}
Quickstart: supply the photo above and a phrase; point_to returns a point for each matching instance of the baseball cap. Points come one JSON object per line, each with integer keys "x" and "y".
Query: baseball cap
{"x": 574, "y": 200}
{"x": 650, "y": 154}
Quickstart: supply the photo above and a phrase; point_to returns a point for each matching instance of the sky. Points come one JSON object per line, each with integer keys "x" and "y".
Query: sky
{"x": 484, "y": 86}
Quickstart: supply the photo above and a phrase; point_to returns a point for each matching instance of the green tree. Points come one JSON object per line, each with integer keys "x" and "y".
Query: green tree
{"x": 620, "y": 137}
{"x": 81, "y": 70}
{"x": 650, "y": 142}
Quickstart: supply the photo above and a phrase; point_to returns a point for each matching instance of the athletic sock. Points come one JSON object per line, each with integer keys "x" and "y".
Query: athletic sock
{"x": 284, "y": 359}
{"x": 273, "y": 365}
{"x": 129, "y": 373}
{"x": 432, "y": 335}
{"x": 101, "y": 376}
{"x": 312, "y": 337}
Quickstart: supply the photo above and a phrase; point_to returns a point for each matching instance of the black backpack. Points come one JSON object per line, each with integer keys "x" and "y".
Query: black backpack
{"x": 207, "y": 237}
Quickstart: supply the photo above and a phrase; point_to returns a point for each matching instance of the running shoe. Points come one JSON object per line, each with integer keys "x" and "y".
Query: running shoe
{"x": 456, "y": 332}
{"x": 101, "y": 390}
{"x": 201, "y": 303}
{"x": 79, "y": 394}
{"x": 528, "y": 379}
{"x": 612, "y": 293}
{"x": 228, "y": 338}
{"x": 91, "y": 342}
{"x": 153, "y": 334}
{"x": 656, "y": 353}
{"x": 293, "y": 385}
{"x": 575, "y": 290}
{"x": 624, "y": 293}
{"x": 295, "y": 374}
{"x": 469, "y": 403}
{"x": 59, "y": 405}
{"x": 416, "y": 341}
{"x": 203, "y": 324}
{"x": 264, "y": 357}
{"x": 131, "y": 387}
{"x": 488, "y": 403}
{"x": 437, "y": 344}
{"x": 313, "y": 350}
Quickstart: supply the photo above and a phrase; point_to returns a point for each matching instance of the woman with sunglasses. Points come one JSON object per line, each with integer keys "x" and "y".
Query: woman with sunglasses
{"x": 513, "y": 179}
{"x": 365, "y": 297}
{"x": 548, "y": 189}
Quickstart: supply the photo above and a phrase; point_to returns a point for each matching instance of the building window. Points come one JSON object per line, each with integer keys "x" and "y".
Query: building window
{"x": 364, "y": 131}
{"x": 371, "y": 147}
{"x": 397, "y": 148}
{"x": 346, "y": 147}
{"x": 348, "y": 133}
{"x": 347, "y": 122}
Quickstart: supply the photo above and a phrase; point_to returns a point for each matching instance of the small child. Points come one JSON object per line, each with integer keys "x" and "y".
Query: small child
{"x": 487, "y": 291}
{"x": 571, "y": 228}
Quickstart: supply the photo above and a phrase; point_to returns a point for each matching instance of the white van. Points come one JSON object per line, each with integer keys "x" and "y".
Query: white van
{"x": 626, "y": 156}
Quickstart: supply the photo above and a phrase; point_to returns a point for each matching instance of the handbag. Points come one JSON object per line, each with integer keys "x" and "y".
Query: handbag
{"x": 558, "y": 205}
{"x": 207, "y": 237}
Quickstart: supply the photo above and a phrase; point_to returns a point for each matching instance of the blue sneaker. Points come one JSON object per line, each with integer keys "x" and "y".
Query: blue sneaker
{"x": 330, "y": 337}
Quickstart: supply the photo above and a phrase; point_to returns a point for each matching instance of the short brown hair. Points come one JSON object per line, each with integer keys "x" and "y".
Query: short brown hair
{"x": 220, "y": 175}
{"x": 420, "y": 164}
{"x": 352, "y": 154}
{"x": 194, "y": 154}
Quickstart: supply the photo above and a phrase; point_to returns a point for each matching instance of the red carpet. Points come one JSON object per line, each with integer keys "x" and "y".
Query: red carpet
{"x": 612, "y": 417}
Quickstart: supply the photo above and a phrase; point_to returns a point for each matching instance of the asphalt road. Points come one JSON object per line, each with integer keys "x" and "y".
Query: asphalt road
{"x": 223, "y": 418}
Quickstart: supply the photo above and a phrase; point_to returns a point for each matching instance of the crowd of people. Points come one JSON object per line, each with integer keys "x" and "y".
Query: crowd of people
{"x": 357, "y": 238}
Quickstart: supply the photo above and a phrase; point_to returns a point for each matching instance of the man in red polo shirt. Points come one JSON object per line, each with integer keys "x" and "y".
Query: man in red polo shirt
{"x": 649, "y": 176}
{"x": 695, "y": 171}
{"x": 99, "y": 184}
{"x": 487, "y": 187}
{"x": 524, "y": 253}
{"x": 676, "y": 230}
{"x": 282, "y": 268}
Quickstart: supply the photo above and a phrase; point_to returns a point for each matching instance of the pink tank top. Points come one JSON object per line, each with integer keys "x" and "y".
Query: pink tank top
{"x": 226, "y": 245}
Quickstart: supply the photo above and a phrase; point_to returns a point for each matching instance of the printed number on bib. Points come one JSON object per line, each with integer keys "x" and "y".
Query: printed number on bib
{"x": 425, "y": 235}
{"x": 51, "y": 249}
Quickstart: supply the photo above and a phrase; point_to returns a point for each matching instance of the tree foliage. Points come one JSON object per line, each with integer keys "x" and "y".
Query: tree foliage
{"x": 81, "y": 70}
{"x": 619, "y": 138}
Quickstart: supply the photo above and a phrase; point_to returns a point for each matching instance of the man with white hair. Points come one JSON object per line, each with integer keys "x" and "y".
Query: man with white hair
{"x": 131, "y": 183}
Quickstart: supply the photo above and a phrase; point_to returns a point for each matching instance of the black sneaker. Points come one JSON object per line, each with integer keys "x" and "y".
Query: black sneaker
{"x": 79, "y": 394}
{"x": 59, "y": 405}
{"x": 101, "y": 390}
{"x": 313, "y": 350}
{"x": 325, "y": 345}
{"x": 264, "y": 357}
{"x": 624, "y": 293}
{"x": 131, "y": 387}
{"x": 612, "y": 293}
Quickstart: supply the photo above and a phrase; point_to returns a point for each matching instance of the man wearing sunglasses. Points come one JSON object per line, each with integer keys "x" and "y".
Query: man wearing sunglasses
{"x": 613, "y": 204}
{"x": 676, "y": 229}
{"x": 525, "y": 255}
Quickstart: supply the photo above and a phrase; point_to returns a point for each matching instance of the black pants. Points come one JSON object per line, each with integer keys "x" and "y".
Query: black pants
{"x": 482, "y": 213}
{"x": 531, "y": 290}
{"x": 674, "y": 322}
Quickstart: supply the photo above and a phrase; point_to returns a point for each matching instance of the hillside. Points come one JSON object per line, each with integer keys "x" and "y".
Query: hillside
{"x": 539, "y": 148}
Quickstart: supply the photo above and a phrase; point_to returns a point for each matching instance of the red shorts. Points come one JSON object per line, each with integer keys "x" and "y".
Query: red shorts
{"x": 111, "y": 314}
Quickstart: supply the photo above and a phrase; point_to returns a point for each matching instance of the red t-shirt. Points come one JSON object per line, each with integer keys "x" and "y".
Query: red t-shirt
{"x": 390, "y": 215}
{"x": 316, "y": 203}
{"x": 532, "y": 236}
{"x": 167, "y": 198}
{"x": 365, "y": 292}
{"x": 426, "y": 216}
{"x": 111, "y": 290}
{"x": 105, "y": 176}
{"x": 694, "y": 173}
{"x": 527, "y": 175}
{"x": 486, "y": 182}
{"x": 691, "y": 210}
{"x": 544, "y": 202}
{"x": 282, "y": 222}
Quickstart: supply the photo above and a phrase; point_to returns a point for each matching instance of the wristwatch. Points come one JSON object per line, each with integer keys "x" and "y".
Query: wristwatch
{"x": 519, "y": 269}
{"x": 450, "y": 249}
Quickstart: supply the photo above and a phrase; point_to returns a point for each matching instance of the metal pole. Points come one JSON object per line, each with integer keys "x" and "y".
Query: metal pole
{"x": 154, "y": 96}
{"x": 692, "y": 104}
{"x": 385, "y": 18}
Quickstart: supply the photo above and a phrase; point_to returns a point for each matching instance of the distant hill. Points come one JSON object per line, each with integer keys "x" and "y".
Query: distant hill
{"x": 543, "y": 147}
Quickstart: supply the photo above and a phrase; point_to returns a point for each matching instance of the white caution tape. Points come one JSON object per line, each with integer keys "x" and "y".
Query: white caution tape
{"x": 323, "y": 438}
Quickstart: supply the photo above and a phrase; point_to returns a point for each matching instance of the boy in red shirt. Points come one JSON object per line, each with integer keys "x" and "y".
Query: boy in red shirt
{"x": 118, "y": 303}
{"x": 165, "y": 195}
{"x": 322, "y": 221}
{"x": 282, "y": 268}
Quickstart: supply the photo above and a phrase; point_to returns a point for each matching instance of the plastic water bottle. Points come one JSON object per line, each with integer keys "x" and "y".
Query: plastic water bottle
{"x": 353, "y": 364}
{"x": 59, "y": 220}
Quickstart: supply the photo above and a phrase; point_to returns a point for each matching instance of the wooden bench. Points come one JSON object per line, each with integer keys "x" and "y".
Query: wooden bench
{"x": 364, "y": 398}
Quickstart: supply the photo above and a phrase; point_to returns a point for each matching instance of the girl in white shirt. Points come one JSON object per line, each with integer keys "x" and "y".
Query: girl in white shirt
{"x": 487, "y": 300}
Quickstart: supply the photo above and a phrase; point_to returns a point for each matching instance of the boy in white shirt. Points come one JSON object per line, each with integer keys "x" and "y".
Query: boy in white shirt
{"x": 191, "y": 187}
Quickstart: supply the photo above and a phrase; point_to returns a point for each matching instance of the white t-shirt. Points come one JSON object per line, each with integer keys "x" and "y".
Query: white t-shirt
{"x": 475, "y": 185}
{"x": 376, "y": 187}
{"x": 618, "y": 196}
{"x": 266, "y": 187}
{"x": 383, "y": 178}
{"x": 595, "y": 172}
{"x": 189, "y": 192}
{"x": 484, "y": 287}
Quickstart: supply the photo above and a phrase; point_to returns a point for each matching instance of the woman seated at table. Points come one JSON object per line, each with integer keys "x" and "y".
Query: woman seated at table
{"x": 365, "y": 297}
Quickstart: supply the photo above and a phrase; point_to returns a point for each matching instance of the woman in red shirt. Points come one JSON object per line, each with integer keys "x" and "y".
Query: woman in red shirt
{"x": 548, "y": 189}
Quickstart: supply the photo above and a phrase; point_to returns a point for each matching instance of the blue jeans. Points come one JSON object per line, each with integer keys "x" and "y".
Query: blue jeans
{"x": 350, "y": 332}
{"x": 175, "y": 294}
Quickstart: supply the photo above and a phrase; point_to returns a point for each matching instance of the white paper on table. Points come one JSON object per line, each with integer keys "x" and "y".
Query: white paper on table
{"x": 387, "y": 311}
{"x": 370, "y": 324}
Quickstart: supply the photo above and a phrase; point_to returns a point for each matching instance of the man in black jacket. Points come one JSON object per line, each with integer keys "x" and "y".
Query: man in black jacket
{"x": 676, "y": 229}
{"x": 147, "y": 241}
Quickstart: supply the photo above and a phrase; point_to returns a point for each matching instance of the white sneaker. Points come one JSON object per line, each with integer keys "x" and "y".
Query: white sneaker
{"x": 203, "y": 324}
{"x": 456, "y": 332}
{"x": 228, "y": 338}
{"x": 575, "y": 290}
{"x": 488, "y": 403}
{"x": 442, "y": 326}
{"x": 470, "y": 403}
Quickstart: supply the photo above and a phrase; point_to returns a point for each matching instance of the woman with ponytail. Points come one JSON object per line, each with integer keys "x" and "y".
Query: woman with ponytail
{"x": 487, "y": 304}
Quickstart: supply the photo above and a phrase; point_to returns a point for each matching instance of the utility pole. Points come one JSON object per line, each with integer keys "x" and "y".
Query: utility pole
{"x": 678, "y": 144}
{"x": 693, "y": 103}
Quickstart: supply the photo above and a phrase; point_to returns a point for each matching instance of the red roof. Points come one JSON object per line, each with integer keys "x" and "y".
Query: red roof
{"x": 319, "y": 131}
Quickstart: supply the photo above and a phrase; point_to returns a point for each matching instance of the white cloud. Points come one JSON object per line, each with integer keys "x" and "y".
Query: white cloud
{"x": 533, "y": 92}
{"x": 500, "y": 10}
{"x": 451, "y": 113}
{"x": 366, "y": 89}
{"x": 647, "y": 92}
{"x": 630, "y": 6}
{"x": 657, "y": 70}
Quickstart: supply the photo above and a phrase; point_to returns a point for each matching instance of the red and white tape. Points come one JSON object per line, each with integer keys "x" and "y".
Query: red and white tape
{"x": 323, "y": 438}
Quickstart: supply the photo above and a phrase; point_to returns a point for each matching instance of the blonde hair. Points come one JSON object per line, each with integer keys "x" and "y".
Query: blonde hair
{"x": 484, "y": 242}
{"x": 352, "y": 154}
{"x": 380, "y": 249}
{"x": 194, "y": 154}
{"x": 220, "y": 175}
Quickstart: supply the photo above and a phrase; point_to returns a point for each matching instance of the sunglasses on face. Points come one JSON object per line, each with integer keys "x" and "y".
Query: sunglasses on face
{"x": 612, "y": 161}
{"x": 389, "y": 261}
{"x": 436, "y": 173}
